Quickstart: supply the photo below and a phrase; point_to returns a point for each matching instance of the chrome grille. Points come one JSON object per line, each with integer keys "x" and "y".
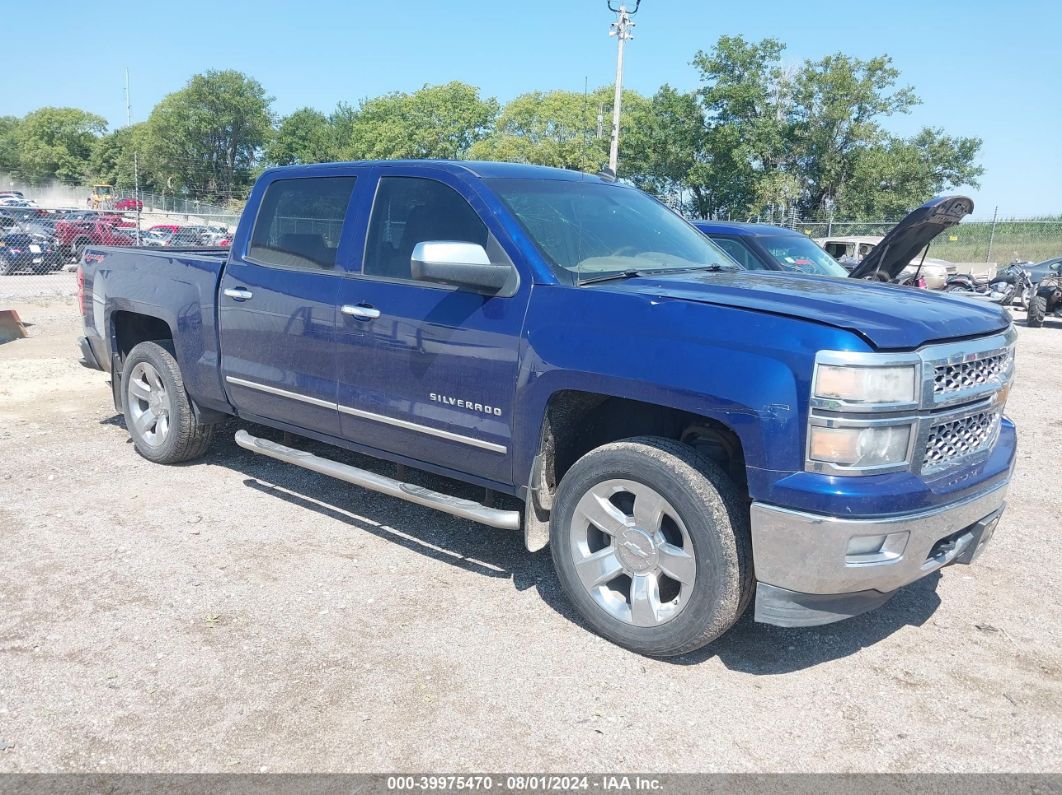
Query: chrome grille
{"x": 956, "y": 439}
{"x": 968, "y": 375}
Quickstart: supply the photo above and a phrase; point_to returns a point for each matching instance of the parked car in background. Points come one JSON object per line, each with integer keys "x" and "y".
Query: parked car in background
{"x": 129, "y": 204}
{"x": 1042, "y": 269}
{"x": 772, "y": 248}
{"x": 155, "y": 238}
{"x": 24, "y": 253}
{"x": 188, "y": 236}
{"x": 850, "y": 251}
{"x": 73, "y": 236}
{"x": 171, "y": 228}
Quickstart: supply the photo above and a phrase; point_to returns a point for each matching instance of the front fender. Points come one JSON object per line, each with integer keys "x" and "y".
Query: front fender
{"x": 747, "y": 370}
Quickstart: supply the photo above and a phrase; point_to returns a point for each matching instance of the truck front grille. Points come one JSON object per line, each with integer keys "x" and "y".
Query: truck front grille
{"x": 967, "y": 375}
{"x": 951, "y": 441}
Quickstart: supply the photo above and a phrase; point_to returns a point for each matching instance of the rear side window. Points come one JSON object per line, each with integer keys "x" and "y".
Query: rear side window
{"x": 300, "y": 222}
{"x": 411, "y": 210}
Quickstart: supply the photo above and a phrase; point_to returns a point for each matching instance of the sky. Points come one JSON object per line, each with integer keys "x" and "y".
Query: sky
{"x": 987, "y": 69}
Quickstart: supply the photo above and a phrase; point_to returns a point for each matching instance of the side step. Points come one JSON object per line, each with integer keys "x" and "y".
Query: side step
{"x": 466, "y": 509}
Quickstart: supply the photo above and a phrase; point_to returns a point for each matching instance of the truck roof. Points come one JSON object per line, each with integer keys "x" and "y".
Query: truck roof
{"x": 477, "y": 168}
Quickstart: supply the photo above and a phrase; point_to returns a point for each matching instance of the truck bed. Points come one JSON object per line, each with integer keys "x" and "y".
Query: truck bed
{"x": 178, "y": 286}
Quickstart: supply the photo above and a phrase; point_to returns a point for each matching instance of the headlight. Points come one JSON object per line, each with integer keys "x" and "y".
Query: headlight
{"x": 859, "y": 448}
{"x": 860, "y": 384}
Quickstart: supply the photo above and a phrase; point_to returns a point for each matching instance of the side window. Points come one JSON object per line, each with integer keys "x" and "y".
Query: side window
{"x": 411, "y": 210}
{"x": 736, "y": 249}
{"x": 835, "y": 250}
{"x": 300, "y": 222}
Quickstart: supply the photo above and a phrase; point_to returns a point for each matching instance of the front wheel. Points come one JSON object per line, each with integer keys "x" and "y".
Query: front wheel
{"x": 1037, "y": 311}
{"x": 651, "y": 543}
{"x": 158, "y": 414}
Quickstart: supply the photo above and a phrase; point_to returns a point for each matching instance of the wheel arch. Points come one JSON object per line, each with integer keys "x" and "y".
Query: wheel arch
{"x": 574, "y": 422}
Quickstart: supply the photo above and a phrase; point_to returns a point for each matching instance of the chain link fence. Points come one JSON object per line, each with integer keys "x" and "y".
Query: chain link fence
{"x": 40, "y": 246}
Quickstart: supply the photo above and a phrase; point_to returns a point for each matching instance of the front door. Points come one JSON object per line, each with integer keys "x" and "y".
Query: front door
{"x": 278, "y": 305}
{"x": 429, "y": 371}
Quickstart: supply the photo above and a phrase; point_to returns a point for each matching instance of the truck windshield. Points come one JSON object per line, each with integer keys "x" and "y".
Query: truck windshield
{"x": 802, "y": 254}
{"x": 591, "y": 230}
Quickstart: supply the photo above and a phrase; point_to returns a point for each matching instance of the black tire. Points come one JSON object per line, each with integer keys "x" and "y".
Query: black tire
{"x": 714, "y": 513}
{"x": 186, "y": 438}
{"x": 1037, "y": 311}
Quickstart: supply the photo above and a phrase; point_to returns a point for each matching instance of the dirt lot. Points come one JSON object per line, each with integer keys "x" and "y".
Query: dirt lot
{"x": 239, "y": 615}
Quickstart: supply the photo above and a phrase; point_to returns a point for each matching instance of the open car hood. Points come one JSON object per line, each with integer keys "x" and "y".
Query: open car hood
{"x": 903, "y": 242}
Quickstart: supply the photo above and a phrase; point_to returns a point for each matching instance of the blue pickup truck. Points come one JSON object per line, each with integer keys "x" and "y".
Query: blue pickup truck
{"x": 686, "y": 436}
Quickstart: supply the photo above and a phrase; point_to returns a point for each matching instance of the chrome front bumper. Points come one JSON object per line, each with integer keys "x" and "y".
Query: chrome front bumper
{"x": 813, "y": 569}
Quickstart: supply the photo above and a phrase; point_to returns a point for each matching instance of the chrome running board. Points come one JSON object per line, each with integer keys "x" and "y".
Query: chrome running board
{"x": 466, "y": 509}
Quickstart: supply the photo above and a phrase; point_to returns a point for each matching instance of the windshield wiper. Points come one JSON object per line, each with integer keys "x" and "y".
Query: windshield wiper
{"x": 715, "y": 267}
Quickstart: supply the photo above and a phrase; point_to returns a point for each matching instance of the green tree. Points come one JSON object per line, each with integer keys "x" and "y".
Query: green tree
{"x": 439, "y": 122}
{"x": 897, "y": 174}
{"x": 663, "y": 146}
{"x": 560, "y": 129}
{"x": 8, "y": 143}
{"x": 57, "y": 142}
{"x": 778, "y": 139}
{"x": 838, "y": 105}
{"x": 112, "y": 157}
{"x": 306, "y": 136}
{"x": 207, "y": 138}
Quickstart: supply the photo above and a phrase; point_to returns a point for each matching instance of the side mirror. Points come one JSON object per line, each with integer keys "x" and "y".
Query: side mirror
{"x": 459, "y": 264}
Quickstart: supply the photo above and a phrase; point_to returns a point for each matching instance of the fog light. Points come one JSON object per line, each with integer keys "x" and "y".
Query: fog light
{"x": 875, "y": 549}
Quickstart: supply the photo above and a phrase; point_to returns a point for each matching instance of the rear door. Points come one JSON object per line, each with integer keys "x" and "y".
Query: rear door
{"x": 428, "y": 371}
{"x": 278, "y": 303}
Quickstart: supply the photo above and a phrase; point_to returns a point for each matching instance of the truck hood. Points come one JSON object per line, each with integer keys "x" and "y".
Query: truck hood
{"x": 887, "y": 316}
{"x": 904, "y": 241}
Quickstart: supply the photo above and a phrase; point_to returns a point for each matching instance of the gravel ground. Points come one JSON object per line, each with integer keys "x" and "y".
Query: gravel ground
{"x": 239, "y": 615}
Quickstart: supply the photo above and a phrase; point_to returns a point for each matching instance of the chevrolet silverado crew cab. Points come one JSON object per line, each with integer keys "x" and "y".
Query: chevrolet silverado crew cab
{"x": 687, "y": 436}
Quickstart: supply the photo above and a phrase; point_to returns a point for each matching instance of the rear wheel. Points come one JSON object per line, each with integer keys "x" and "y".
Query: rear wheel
{"x": 650, "y": 540}
{"x": 1037, "y": 311}
{"x": 158, "y": 414}
{"x": 1024, "y": 297}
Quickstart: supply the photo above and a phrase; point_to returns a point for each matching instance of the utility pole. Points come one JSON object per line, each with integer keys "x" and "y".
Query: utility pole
{"x": 136, "y": 165}
{"x": 622, "y": 29}
{"x": 992, "y": 234}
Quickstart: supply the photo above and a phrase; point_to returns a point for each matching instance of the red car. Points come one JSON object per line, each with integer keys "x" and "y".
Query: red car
{"x": 73, "y": 236}
{"x": 134, "y": 205}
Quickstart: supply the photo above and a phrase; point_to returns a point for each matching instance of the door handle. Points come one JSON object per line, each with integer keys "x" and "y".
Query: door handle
{"x": 238, "y": 293}
{"x": 360, "y": 311}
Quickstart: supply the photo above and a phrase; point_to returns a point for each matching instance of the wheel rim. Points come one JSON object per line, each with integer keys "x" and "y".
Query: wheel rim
{"x": 149, "y": 404}
{"x": 632, "y": 553}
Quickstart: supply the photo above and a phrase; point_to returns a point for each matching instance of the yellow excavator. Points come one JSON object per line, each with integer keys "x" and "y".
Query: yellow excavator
{"x": 101, "y": 198}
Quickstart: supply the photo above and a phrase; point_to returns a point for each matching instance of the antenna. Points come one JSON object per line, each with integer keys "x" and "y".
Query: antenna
{"x": 137, "y": 204}
{"x": 622, "y": 29}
